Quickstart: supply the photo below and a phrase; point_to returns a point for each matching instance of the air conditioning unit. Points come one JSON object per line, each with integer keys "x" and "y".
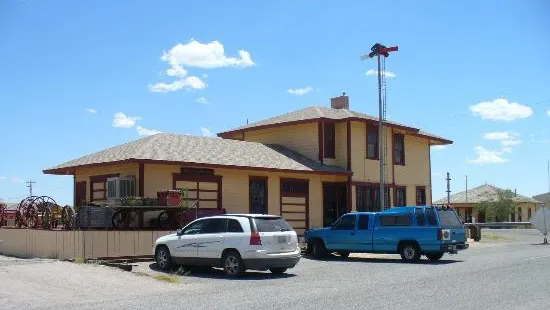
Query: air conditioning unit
{"x": 120, "y": 187}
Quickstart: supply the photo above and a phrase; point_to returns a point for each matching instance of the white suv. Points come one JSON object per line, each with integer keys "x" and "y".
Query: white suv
{"x": 233, "y": 242}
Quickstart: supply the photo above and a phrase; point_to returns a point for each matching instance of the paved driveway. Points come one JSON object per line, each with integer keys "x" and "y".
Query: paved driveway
{"x": 506, "y": 271}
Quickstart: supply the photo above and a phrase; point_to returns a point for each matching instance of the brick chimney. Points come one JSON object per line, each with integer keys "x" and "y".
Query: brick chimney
{"x": 341, "y": 102}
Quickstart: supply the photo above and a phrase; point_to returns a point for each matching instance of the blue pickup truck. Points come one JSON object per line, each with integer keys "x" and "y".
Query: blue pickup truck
{"x": 409, "y": 231}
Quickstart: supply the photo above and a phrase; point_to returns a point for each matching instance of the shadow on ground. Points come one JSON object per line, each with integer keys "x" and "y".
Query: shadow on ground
{"x": 216, "y": 273}
{"x": 375, "y": 260}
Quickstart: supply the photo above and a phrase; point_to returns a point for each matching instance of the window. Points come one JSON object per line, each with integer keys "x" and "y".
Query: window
{"x": 519, "y": 214}
{"x": 431, "y": 217}
{"x": 271, "y": 224}
{"x": 297, "y": 187}
{"x": 346, "y": 222}
{"x": 329, "y": 143}
{"x": 420, "y": 217}
{"x": 363, "y": 222}
{"x": 194, "y": 228}
{"x": 258, "y": 195}
{"x": 372, "y": 143}
{"x": 99, "y": 186}
{"x": 233, "y": 226}
{"x": 528, "y": 213}
{"x": 120, "y": 187}
{"x": 399, "y": 149}
{"x": 420, "y": 196}
{"x": 400, "y": 196}
{"x": 395, "y": 220}
{"x": 368, "y": 199}
{"x": 214, "y": 226}
{"x": 449, "y": 219}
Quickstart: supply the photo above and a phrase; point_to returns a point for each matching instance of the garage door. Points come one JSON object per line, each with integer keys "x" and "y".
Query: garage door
{"x": 206, "y": 189}
{"x": 295, "y": 203}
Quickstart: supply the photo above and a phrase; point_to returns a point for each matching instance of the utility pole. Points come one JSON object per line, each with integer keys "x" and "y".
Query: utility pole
{"x": 466, "y": 188}
{"x": 29, "y": 185}
{"x": 381, "y": 50}
{"x": 448, "y": 188}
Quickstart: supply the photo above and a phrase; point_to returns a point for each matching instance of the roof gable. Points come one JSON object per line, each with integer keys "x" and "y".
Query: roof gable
{"x": 314, "y": 113}
{"x": 184, "y": 149}
{"x": 482, "y": 193}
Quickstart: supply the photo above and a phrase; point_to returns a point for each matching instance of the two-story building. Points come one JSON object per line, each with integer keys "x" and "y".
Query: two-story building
{"x": 309, "y": 165}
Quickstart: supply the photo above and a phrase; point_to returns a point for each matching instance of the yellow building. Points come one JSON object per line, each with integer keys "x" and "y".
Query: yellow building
{"x": 310, "y": 165}
{"x": 466, "y": 202}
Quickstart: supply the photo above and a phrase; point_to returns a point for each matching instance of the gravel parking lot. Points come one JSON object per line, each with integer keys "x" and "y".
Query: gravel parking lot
{"x": 507, "y": 270}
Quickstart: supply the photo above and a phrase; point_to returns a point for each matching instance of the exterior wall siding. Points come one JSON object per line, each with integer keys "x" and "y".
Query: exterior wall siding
{"x": 301, "y": 138}
{"x": 416, "y": 171}
{"x": 125, "y": 170}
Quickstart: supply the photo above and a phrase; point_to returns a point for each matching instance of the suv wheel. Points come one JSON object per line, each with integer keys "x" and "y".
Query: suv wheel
{"x": 434, "y": 256}
{"x": 409, "y": 252}
{"x": 163, "y": 258}
{"x": 318, "y": 249}
{"x": 233, "y": 265}
{"x": 277, "y": 270}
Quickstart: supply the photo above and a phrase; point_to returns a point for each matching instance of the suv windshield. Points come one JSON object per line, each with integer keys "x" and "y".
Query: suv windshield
{"x": 449, "y": 218}
{"x": 271, "y": 224}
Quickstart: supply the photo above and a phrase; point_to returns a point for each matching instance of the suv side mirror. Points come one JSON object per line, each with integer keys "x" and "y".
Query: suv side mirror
{"x": 179, "y": 232}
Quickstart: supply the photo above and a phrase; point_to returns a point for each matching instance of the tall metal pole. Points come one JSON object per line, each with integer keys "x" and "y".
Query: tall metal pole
{"x": 448, "y": 188}
{"x": 381, "y": 136}
{"x": 549, "y": 175}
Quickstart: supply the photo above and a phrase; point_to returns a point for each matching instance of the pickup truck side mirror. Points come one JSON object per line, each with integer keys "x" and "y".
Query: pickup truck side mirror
{"x": 179, "y": 232}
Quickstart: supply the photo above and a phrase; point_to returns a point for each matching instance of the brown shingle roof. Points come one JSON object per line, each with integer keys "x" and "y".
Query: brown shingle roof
{"x": 318, "y": 112}
{"x": 480, "y": 194}
{"x": 204, "y": 151}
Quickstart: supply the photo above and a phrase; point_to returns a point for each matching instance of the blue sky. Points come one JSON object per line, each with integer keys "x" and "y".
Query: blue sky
{"x": 80, "y": 76}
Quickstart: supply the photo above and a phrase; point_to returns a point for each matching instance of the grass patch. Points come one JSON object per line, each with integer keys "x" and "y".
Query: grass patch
{"x": 167, "y": 278}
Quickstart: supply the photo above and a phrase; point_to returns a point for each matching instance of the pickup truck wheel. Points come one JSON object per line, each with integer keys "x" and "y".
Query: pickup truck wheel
{"x": 318, "y": 249}
{"x": 409, "y": 252}
{"x": 163, "y": 258}
{"x": 434, "y": 256}
{"x": 343, "y": 254}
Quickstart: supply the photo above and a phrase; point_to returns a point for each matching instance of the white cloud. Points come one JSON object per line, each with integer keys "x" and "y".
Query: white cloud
{"x": 176, "y": 70}
{"x": 387, "y": 73}
{"x": 16, "y": 180}
{"x": 501, "y": 110}
{"x": 2, "y": 178}
{"x": 142, "y": 131}
{"x": 505, "y": 138}
{"x": 299, "y": 91}
{"x": 124, "y": 121}
{"x": 498, "y": 135}
{"x": 206, "y": 132}
{"x": 93, "y": 111}
{"x": 190, "y": 82}
{"x": 548, "y": 113}
{"x": 507, "y": 149}
{"x": 510, "y": 142}
{"x": 202, "y": 100}
{"x": 209, "y": 55}
{"x": 439, "y": 147}
{"x": 485, "y": 156}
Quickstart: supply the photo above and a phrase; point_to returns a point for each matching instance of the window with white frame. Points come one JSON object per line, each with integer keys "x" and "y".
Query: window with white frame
{"x": 121, "y": 187}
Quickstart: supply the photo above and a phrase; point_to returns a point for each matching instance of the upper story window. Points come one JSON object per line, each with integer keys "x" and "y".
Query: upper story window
{"x": 372, "y": 143}
{"x": 330, "y": 138}
{"x": 399, "y": 149}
